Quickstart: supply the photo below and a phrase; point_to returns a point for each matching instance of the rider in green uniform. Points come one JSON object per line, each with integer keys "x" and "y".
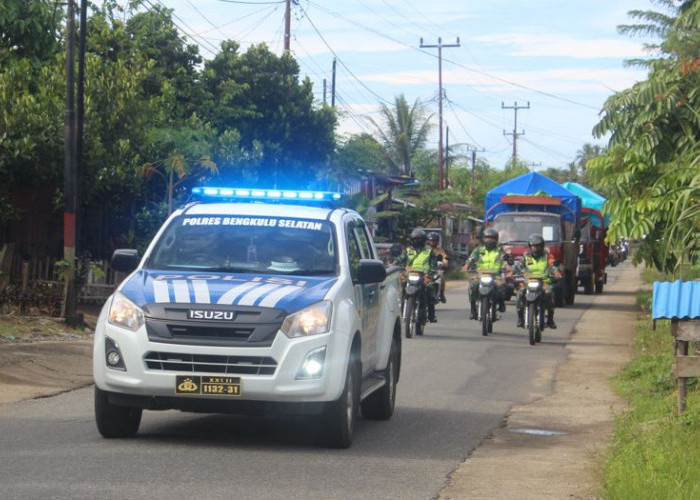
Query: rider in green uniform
{"x": 537, "y": 261}
{"x": 420, "y": 257}
{"x": 486, "y": 257}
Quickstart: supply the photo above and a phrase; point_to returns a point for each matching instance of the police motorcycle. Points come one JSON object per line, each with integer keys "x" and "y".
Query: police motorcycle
{"x": 490, "y": 289}
{"x": 534, "y": 305}
{"x": 419, "y": 288}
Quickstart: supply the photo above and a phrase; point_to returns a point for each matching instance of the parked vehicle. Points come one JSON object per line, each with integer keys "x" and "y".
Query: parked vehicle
{"x": 252, "y": 301}
{"x": 534, "y": 204}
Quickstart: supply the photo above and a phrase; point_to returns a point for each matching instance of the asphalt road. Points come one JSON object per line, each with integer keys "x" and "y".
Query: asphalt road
{"x": 456, "y": 386}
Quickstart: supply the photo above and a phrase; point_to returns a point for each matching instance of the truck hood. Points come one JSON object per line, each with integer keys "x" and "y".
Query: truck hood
{"x": 289, "y": 293}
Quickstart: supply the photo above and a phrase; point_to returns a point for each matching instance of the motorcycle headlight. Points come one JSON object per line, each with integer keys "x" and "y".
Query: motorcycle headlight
{"x": 124, "y": 313}
{"x": 414, "y": 278}
{"x": 312, "y": 320}
{"x": 533, "y": 285}
{"x": 486, "y": 280}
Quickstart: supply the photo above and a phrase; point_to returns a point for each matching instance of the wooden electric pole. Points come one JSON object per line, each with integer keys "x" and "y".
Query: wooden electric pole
{"x": 287, "y": 24}
{"x": 441, "y": 159}
{"x": 70, "y": 302}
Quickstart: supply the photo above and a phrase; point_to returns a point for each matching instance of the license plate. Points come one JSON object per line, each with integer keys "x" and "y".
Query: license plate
{"x": 204, "y": 385}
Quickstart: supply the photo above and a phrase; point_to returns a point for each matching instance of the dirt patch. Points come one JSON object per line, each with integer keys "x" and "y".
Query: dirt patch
{"x": 41, "y": 356}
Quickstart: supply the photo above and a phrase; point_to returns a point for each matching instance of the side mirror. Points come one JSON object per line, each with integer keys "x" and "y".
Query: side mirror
{"x": 125, "y": 260}
{"x": 371, "y": 271}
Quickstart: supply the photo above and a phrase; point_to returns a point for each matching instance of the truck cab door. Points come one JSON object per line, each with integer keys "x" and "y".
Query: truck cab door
{"x": 367, "y": 296}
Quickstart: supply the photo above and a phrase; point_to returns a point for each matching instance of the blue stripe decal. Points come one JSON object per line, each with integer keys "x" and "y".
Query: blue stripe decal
{"x": 289, "y": 293}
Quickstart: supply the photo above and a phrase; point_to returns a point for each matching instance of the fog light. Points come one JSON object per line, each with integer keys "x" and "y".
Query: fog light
{"x": 113, "y": 358}
{"x": 313, "y": 364}
{"x": 113, "y": 355}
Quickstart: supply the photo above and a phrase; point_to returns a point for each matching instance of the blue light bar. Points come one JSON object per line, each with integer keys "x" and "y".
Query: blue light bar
{"x": 265, "y": 194}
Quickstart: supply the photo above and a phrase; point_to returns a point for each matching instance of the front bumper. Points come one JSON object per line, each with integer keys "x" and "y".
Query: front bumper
{"x": 150, "y": 382}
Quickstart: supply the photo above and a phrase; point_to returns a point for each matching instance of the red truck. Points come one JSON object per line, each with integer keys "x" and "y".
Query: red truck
{"x": 534, "y": 204}
{"x": 593, "y": 251}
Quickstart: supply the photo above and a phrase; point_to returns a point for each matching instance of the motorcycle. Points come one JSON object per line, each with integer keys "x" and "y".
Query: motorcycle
{"x": 488, "y": 299}
{"x": 534, "y": 304}
{"x": 414, "y": 309}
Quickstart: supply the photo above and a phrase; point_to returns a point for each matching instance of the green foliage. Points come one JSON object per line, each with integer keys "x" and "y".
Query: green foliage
{"x": 654, "y": 452}
{"x": 402, "y": 132}
{"x": 650, "y": 169}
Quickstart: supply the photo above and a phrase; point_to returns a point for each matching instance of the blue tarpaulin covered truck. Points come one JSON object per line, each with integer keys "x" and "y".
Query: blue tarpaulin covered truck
{"x": 533, "y": 203}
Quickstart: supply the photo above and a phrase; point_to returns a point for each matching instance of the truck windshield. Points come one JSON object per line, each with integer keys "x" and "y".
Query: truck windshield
{"x": 261, "y": 245}
{"x": 517, "y": 228}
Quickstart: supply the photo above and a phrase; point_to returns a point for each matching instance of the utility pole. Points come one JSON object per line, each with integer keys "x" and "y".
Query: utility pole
{"x": 70, "y": 302}
{"x": 287, "y": 24}
{"x": 473, "y": 150}
{"x": 439, "y": 46}
{"x": 515, "y": 133}
{"x": 333, "y": 85}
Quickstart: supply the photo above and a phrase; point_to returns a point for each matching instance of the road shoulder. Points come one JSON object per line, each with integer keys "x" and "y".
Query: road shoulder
{"x": 550, "y": 448}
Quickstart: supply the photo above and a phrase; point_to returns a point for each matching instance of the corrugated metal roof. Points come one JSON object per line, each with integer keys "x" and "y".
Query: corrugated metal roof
{"x": 677, "y": 299}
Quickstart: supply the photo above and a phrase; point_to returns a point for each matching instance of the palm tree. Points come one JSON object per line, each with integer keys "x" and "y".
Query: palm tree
{"x": 403, "y": 131}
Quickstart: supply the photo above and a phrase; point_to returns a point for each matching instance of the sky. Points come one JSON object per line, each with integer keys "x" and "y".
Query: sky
{"x": 556, "y": 61}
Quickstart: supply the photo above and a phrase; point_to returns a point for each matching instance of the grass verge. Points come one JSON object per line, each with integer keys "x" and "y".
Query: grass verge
{"x": 654, "y": 452}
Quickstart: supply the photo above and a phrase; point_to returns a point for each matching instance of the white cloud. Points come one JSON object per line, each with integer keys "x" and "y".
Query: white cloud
{"x": 538, "y": 45}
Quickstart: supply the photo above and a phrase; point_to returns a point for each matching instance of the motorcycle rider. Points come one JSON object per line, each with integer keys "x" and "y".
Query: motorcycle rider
{"x": 433, "y": 240}
{"x": 486, "y": 257}
{"x": 538, "y": 261}
{"x": 418, "y": 257}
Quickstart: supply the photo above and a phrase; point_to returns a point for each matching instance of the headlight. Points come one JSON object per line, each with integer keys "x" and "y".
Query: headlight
{"x": 125, "y": 313}
{"x": 533, "y": 284}
{"x": 414, "y": 278}
{"x": 313, "y": 320}
{"x": 486, "y": 280}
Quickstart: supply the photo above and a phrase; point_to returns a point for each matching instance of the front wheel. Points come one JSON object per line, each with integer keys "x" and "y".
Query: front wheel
{"x": 380, "y": 404}
{"x": 115, "y": 421}
{"x": 532, "y": 322}
{"x": 340, "y": 415}
{"x": 409, "y": 316}
{"x": 485, "y": 316}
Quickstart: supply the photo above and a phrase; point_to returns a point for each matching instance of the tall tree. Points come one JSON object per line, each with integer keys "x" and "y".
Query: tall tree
{"x": 283, "y": 135}
{"x": 402, "y": 131}
{"x": 650, "y": 168}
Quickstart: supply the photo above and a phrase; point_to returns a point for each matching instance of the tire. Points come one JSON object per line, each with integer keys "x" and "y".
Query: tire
{"x": 409, "y": 316}
{"x": 589, "y": 284}
{"x": 485, "y": 316}
{"x": 341, "y": 414}
{"x": 380, "y": 404}
{"x": 559, "y": 295}
{"x": 532, "y": 322}
{"x": 599, "y": 286}
{"x": 570, "y": 291}
{"x": 115, "y": 421}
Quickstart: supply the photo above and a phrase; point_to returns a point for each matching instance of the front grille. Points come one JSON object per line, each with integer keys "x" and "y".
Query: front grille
{"x": 249, "y": 326}
{"x": 208, "y": 363}
{"x": 209, "y": 332}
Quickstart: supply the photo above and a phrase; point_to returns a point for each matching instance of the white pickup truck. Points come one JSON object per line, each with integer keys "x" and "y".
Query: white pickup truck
{"x": 252, "y": 301}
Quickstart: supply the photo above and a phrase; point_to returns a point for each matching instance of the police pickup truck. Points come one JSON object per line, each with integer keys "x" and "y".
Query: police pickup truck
{"x": 252, "y": 301}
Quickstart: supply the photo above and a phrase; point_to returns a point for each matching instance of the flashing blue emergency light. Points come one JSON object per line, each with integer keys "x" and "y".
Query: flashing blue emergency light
{"x": 212, "y": 193}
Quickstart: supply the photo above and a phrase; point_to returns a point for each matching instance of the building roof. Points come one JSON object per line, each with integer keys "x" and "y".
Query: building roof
{"x": 676, "y": 300}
